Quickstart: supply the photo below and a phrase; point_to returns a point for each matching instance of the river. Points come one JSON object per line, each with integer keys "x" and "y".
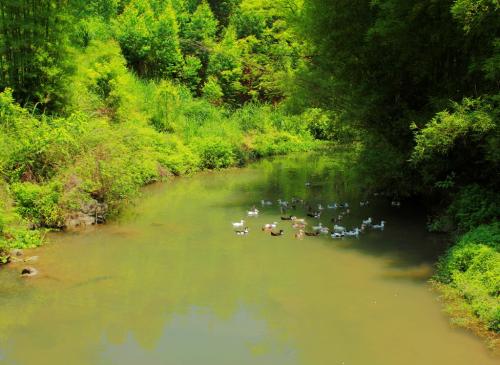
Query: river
{"x": 170, "y": 283}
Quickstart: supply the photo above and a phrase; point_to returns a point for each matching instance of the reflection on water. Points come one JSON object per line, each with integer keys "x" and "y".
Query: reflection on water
{"x": 171, "y": 283}
{"x": 199, "y": 337}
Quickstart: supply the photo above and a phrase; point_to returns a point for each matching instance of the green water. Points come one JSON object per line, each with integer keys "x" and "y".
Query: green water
{"x": 171, "y": 284}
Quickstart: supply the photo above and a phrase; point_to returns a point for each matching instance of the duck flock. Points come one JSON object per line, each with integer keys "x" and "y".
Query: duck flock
{"x": 302, "y": 228}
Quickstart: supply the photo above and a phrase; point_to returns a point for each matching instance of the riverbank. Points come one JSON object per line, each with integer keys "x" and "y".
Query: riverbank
{"x": 467, "y": 276}
{"x": 65, "y": 172}
{"x": 462, "y": 315}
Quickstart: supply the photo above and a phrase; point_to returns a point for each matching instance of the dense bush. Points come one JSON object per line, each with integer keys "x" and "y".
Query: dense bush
{"x": 39, "y": 203}
{"x": 467, "y": 208}
{"x": 279, "y": 143}
{"x": 474, "y": 205}
{"x": 472, "y": 267}
{"x": 215, "y": 153}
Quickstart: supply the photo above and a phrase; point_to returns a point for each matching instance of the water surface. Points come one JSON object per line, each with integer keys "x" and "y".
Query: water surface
{"x": 171, "y": 284}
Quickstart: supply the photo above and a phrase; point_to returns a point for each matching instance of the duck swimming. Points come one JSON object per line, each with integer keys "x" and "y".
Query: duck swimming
{"x": 368, "y": 221}
{"x": 379, "y": 226}
{"x": 242, "y": 233}
{"x": 354, "y": 233}
{"x": 289, "y": 218}
{"x": 318, "y": 227}
{"x": 280, "y": 233}
{"x": 324, "y": 230}
{"x": 269, "y": 226}
{"x": 311, "y": 233}
{"x": 266, "y": 202}
{"x": 300, "y": 234}
{"x": 253, "y": 212}
{"x": 337, "y": 228}
{"x": 238, "y": 224}
{"x": 332, "y": 206}
{"x": 395, "y": 203}
{"x": 337, "y": 235}
{"x": 283, "y": 203}
{"x": 316, "y": 215}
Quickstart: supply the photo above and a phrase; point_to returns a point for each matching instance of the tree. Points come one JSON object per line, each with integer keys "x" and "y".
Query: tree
{"x": 198, "y": 39}
{"x": 225, "y": 64}
{"x": 34, "y": 51}
{"x": 149, "y": 38}
{"x": 224, "y": 9}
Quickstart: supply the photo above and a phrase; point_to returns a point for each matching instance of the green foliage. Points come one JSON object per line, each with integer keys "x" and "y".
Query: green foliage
{"x": 224, "y": 9}
{"x": 201, "y": 28}
{"x": 279, "y": 143}
{"x": 472, "y": 206}
{"x": 166, "y": 107}
{"x": 103, "y": 86}
{"x": 461, "y": 143}
{"x": 191, "y": 72}
{"x": 30, "y": 149}
{"x": 472, "y": 267}
{"x": 471, "y": 120}
{"x": 215, "y": 153}
{"x": 149, "y": 36}
{"x": 319, "y": 124}
{"x": 39, "y": 203}
{"x": 471, "y": 13}
{"x": 34, "y": 58}
{"x": 225, "y": 64}
{"x": 212, "y": 91}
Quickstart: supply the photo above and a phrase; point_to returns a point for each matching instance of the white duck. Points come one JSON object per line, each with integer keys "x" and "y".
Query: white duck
{"x": 337, "y": 235}
{"x": 320, "y": 206}
{"x": 253, "y": 212}
{"x": 324, "y": 230}
{"x": 238, "y": 224}
{"x": 368, "y": 221}
{"x": 270, "y": 225}
{"x": 332, "y": 206}
{"x": 337, "y": 228}
{"x": 395, "y": 203}
{"x": 318, "y": 227}
{"x": 266, "y": 202}
{"x": 283, "y": 203}
{"x": 354, "y": 233}
{"x": 379, "y": 226}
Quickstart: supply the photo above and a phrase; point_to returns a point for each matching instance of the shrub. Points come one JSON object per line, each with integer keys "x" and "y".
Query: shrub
{"x": 279, "y": 143}
{"x": 215, "y": 153}
{"x": 472, "y": 267}
{"x": 39, "y": 203}
{"x": 473, "y": 206}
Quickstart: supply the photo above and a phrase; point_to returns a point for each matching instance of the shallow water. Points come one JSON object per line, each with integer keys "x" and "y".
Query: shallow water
{"x": 171, "y": 284}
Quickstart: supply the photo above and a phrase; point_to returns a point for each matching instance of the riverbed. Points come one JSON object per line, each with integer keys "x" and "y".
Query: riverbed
{"x": 171, "y": 283}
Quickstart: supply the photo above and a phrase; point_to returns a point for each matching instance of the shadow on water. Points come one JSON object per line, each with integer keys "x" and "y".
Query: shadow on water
{"x": 407, "y": 248}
